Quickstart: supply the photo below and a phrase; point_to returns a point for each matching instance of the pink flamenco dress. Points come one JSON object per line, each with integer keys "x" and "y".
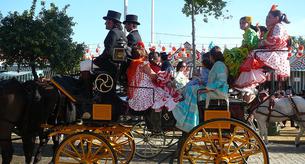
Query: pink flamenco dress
{"x": 143, "y": 93}
{"x": 274, "y": 56}
{"x": 164, "y": 81}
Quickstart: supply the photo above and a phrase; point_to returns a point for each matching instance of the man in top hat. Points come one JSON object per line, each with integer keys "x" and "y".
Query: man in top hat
{"x": 114, "y": 37}
{"x": 131, "y": 23}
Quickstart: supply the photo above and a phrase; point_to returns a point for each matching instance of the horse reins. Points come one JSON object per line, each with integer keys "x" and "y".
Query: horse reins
{"x": 294, "y": 107}
{"x": 255, "y": 106}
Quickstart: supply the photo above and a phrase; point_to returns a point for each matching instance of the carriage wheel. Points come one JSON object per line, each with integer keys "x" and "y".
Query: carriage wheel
{"x": 85, "y": 147}
{"x": 170, "y": 137}
{"x": 236, "y": 144}
{"x": 149, "y": 144}
{"x": 103, "y": 83}
{"x": 123, "y": 145}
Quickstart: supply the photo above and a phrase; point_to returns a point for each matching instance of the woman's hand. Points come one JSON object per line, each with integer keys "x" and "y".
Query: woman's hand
{"x": 147, "y": 70}
{"x": 200, "y": 82}
{"x": 195, "y": 74}
{"x": 261, "y": 44}
{"x": 204, "y": 90}
{"x": 154, "y": 76}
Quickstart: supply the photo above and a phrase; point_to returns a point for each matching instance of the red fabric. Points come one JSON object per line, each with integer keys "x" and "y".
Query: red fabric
{"x": 275, "y": 42}
{"x": 131, "y": 73}
{"x": 165, "y": 77}
{"x": 156, "y": 68}
{"x": 251, "y": 63}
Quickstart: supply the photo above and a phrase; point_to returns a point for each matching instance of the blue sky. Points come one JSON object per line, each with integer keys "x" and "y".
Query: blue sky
{"x": 169, "y": 19}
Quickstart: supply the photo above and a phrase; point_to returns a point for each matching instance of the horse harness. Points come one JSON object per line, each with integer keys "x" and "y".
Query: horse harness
{"x": 271, "y": 106}
{"x": 295, "y": 108}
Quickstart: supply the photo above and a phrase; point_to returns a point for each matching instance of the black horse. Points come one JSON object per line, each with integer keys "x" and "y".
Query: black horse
{"x": 13, "y": 100}
{"x": 25, "y": 106}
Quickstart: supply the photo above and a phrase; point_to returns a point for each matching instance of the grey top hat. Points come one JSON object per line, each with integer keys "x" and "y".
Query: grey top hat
{"x": 113, "y": 15}
{"x": 131, "y": 18}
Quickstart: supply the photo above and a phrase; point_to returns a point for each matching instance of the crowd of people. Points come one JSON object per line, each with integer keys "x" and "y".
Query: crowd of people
{"x": 153, "y": 85}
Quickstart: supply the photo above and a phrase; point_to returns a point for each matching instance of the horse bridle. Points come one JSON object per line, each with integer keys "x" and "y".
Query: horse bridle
{"x": 255, "y": 106}
{"x": 270, "y": 110}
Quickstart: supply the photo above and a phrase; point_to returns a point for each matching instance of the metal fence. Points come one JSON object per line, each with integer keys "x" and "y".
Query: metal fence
{"x": 24, "y": 73}
{"x": 297, "y": 79}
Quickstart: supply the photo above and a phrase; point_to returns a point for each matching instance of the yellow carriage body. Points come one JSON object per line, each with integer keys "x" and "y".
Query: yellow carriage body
{"x": 212, "y": 114}
{"x": 215, "y": 109}
{"x": 102, "y": 112}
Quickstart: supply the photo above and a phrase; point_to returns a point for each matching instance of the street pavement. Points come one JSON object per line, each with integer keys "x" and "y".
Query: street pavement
{"x": 281, "y": 150}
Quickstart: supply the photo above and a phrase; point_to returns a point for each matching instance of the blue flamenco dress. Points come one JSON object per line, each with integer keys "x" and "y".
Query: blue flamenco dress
{"x": 186, "y": 112}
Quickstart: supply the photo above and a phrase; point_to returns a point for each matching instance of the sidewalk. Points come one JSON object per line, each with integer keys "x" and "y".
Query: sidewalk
{"x": 286, "y": 135}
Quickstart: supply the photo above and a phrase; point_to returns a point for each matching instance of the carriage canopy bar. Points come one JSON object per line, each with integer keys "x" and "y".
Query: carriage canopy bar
{"x": 65, "y": 85}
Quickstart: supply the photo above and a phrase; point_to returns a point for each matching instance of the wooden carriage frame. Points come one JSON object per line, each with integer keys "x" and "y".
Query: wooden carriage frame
{"x": 219, "y": 139}
{"x": 218, "y": 146}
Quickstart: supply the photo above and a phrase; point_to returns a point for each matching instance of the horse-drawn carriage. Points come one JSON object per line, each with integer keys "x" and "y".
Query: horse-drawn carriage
{"x": 106, "y": 138}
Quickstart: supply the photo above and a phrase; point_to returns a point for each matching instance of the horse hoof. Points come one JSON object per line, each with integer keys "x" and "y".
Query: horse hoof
{"x": 36, "y": 160}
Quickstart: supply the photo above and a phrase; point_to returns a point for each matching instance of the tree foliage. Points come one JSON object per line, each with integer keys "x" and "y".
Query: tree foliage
{"x": 207, "y": 8}
{"x": 39, "y": 41}
{"x": 296, "y": 41}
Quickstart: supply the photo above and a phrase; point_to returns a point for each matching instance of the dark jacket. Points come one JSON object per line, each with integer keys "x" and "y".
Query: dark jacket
{"x": 110, "y": 42}
{"x": 133, "y": 38}
{"x": 166, "y": 66}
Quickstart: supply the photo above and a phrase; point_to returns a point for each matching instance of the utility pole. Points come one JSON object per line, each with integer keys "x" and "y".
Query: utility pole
{"x": 125, "y": 12}
{"x": 193, "y": 35}
{"x": 152, "y": 22}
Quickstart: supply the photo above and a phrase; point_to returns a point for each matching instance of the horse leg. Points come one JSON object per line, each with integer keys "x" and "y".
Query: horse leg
{"x": 263, "y": 131}
{"x": 55, "y": 140}
{"x": 297, "y": 138}
{"x": 28, "y": 147}
{"x": 43, "y": 140}
{"x": 7, "y": 149}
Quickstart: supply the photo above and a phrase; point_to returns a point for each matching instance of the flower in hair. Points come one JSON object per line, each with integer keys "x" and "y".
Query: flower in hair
{"x": 274, "y": 7}
{"x": 153, "y": 48}
{"x": 248, "y": 19}
{"x": 140, "y": 44}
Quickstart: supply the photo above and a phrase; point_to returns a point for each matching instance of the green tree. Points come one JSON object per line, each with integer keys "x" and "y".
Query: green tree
{"x": 296, "y": 41}
{"x": 207, "y": 8}
{"x": 40, "y": 41}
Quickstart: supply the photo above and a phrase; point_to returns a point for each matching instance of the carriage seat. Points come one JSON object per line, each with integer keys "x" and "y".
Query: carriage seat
{"x": 215, "y": 104}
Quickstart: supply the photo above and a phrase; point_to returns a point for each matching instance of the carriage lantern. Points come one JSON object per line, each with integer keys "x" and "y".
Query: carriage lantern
{"x": 119, "y": 53}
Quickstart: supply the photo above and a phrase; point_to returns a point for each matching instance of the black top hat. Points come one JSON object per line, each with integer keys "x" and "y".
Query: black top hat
{"x": 131, "y": 18}
{"x": 113, "y": 15}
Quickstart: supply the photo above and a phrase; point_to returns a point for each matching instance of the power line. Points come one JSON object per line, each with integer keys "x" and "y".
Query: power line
{"x": 210, "y": 37}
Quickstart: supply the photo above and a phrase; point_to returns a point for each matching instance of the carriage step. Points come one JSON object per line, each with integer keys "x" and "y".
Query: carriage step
{"x": 46, "y": 126}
